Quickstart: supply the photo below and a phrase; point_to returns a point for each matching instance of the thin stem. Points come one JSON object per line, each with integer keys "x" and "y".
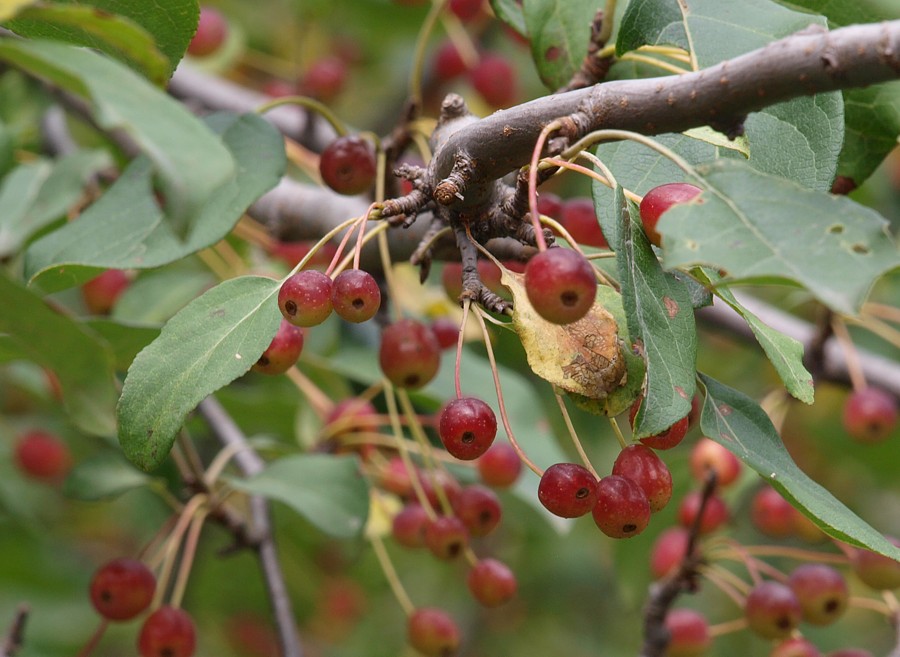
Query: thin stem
{"x": 504, "y": 418}
{"x": 220, "y": 462}
{"x": 172, "y": 545}
{"x": 613, "y": 135}
{"x": 725, "y": 587}
{"x": 574, "y": 435}
{"x": 890, "y": 313}
{"x": 416, "y": 428}
{"x": 359, "y": 223}
{"x": 882, "y": 329}
{"x": 390, "y": 399}
{"x": 618, "y": 432}
{"x": 459, "y": 346}
{"x": 390, "y": 574}
{"x": 720, "y": 629}
{"x": 308, "y": 103}
{"x": 92, "y": 641}
{"x": 652, "y": 61}
{"x": 609, "y": 10}
{"x": 532, "y": 183}
{"x": 364, "y": 239}
{"x": 854, "y": 367}
{"x": 869, "y": 604}
{"x": 187, "y": 558}
{"x": 415, "y": 76}
{"x": 729, "y": 550}
{"x": 320, "y": 402}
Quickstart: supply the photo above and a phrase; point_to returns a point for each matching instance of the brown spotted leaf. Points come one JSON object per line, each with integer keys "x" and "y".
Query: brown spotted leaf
{"x": 582, "y": 357}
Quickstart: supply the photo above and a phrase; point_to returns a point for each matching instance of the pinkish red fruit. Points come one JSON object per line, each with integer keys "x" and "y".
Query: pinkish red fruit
{"x": 641, "y": 464}
{"x": 167, "y": 632}
{"x": 305, "y": 298}
{"x": 870, "y": 415}
{"x": 622, "y": 509}
{"x": 500, "y": 466}
{"x": 212, "y": 30}
{"x": 101, "y": 292}
{"x": 875, "y": 570}
{"x": 409, "y": 354}
{"x": 688, "y": 633}
{"x": 122, "y": 588}
{"x": 658, "y": 200}
{"x": 668, "y": 551}
{"x": 467, "y": 427}
{"x": 494, "y": 78}
{"x": 283, "y": 352}
{"x": 561, "y": 285}
{"x": 433, "y": 632}
{"x": 772, "y": 610}
{"x": 42, "y": 455}
{"x": 491, "y": 582}
{"x": 568, "y": 490}
{"x": 708, "y": 455}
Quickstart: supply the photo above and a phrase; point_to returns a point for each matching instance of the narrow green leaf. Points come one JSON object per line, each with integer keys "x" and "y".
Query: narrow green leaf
{"x": 784, "y": 352}
{"x": 510, "y": 12}
{"x": 103, "y": 476}
{"x": 190, "y": 161}
{"x": 327, "y": 490}
{"x": 738, "y": 423}
{"x": 80, "y": 359}
{"x": 37, "y": 193}
{"x": 763, "y": 228}
{"x": 660, "y": 325}
{"x": 845, "y": 13}
{"x": 212, "y": 341}
{"x": 560, "y": 31}
{"x": 125, "y": 228}
{"x": 84, "y": 25}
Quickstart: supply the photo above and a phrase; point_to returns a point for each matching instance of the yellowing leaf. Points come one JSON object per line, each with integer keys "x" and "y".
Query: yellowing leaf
{"x": 582, "y": 357}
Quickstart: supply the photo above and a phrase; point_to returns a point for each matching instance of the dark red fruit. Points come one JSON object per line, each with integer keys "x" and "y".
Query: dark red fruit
{"x": 324, "y": 79}
{"x": 668, "y": 551}
{"x": 500, "y": 466}
{"x": 822, "y": 592}
{"x": 688, "y": 633}
{"x": 715, "y": 513}
{"x": 433, "y": 632}
{"x": 291, "y": 253}
{"x": 434, "y": 480}
{"x": 561, "y": 285}
{"x": 875, "y": 570}
{"x": 658, "y": 200}
{"x": 669, "y": 438}
{"x": 448, "y": 62}
{"x": 466, "y": 10}
{"x": 167, "y": 632}
{"x": 579, "y": 218}
{"x": 622, "y": 509}
{"x": 796, "y": 647}
{"x": 396, "y": 478}
{"x": 708, "y": 455}
{"x": 446, "y": 537}
{"x": 122, "y": 589}
{"x": 772, "y": 610}
{"x": 305, "y": 298}
{"x": 409, "y": 354}
{"x": 446, "y": 331}
{"x": 355, "y": 295}
{"x": 494, "y": 78}
{"x": 491, "y": 582}
{"x": 408, "y": 527}
{"x": 870, "y": 415}
{"x": 467, "y": 427}
{"x": 641, "y": 464}
{"x": 772, "y": 514}
{"x": 568, "y": 490}
{"x": 101, "y": 292}
{"x": 42, "y": 455}
{"x": 550, "y": 205}
{"x": 212, "y": 30}
{"x": 478, "y": 508}
{"x": 347, "y": 165}
{"x": 282, "y": 352}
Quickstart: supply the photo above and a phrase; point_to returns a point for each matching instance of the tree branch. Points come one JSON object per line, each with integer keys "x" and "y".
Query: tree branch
{"x": 15, "y": 636}
{"x": 806, "y": 63}
{"x": 250, "y": 463}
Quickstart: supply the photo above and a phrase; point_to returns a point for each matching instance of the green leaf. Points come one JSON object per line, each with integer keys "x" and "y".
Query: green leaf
{"x": 738, "y": 423}
{"x": 560, "y": 31}
{"x": 104, "y": 475}
{"x": 758, "y": 227}
{"x": 190, "y": 161}
{"x": 799, "y": 139}
{"x": 845, "y": 13}
{"x": 126, "y": 339}
{"x": 510, "y": 12}
{"x": 660, "y": 325}
{"x": 125, "y": 228}
{"x": 153, "y": 298}
{"x": 80, "y": 359}
{"x": 84, "y": 25}
{"x": 212, "y": 341}
{"x": 39, "y": 192}
{"x": 9, "y": 8}
{"x": 327, "y": 490}
{"x": 784, "y": 352}
{"x": 873, "y": 123}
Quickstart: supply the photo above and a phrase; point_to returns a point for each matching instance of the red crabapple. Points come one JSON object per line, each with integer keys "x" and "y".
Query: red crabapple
{"x": 491, "y": 582}
{"x": 870, "y": 415}
{"x": 167, "y": 632}
{"x": 561, "y": 285}
{"x": 409, "y": 354}
{"x": 282, "y": 352}
{"x": 122, "y": 588}
{"x": 568, "y": 490}
{"x": 42, "y": 455}
{"x": 433, "y": 632}
{"x": 658, "y": 200}
{"x": 212, "y": 30}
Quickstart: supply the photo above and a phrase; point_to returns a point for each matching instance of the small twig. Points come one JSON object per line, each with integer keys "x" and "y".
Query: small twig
{"x": 15, "y": 636}
{"x": 250, "y": 463}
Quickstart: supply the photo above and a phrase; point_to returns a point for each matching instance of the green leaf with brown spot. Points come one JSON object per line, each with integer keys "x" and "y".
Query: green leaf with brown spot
{"x": 560, "y": 31}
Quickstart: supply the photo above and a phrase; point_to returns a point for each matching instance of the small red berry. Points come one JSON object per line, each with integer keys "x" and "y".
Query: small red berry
{"x": 580, "y": 219}
{"x": 478, "y": 508}
{"x": 167, "y": 632}
{"x": 688, "y": 633}
{"x": 491, "y": 582}
{"x": 409, "y": 354}
{"x": 708, "y": 455}
{"x": 448, "y": 62}
{"x": 668, "y": 551}
{"x": 282, "y": 352}
{"x": 715, "y": 513}
{"x": 494, "y": 78}
{"x": 101, "y": 292}
{"x": 324, "y": 79}
{"x": 347, "y": 165}
{"x": 122, "y": 589}
{"x": 446, "y": 537}
{"x": 870, "y": 415}
{"x": 641, "y": 464}
{"x": 305, "y": 298}
{"x": 568, "y": 490}
{"x": 795, "y": 647}
{"x": 433, "y": 632}
{"x": 446, "y": 331}
{"x": 467, "y": 427}
{"x": 561, "y": 285}
{"x": 772, "y": 514}
{"x": 622, "y": 509}
{"x": 550, "y": 205}
{"x": 466, "y": 10}
{"x": 822, "y": 592}
{"x": 658, "y": 200}
{"x": 42, "y": 455}
{"x": 408, "y": 526}
{"x": 355, "y": 295}
{"x": 500, "y": 466}
{"x": 212, "y": 30}
{"x": 772, "y": 610}
{"x": 875, "y": 570}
